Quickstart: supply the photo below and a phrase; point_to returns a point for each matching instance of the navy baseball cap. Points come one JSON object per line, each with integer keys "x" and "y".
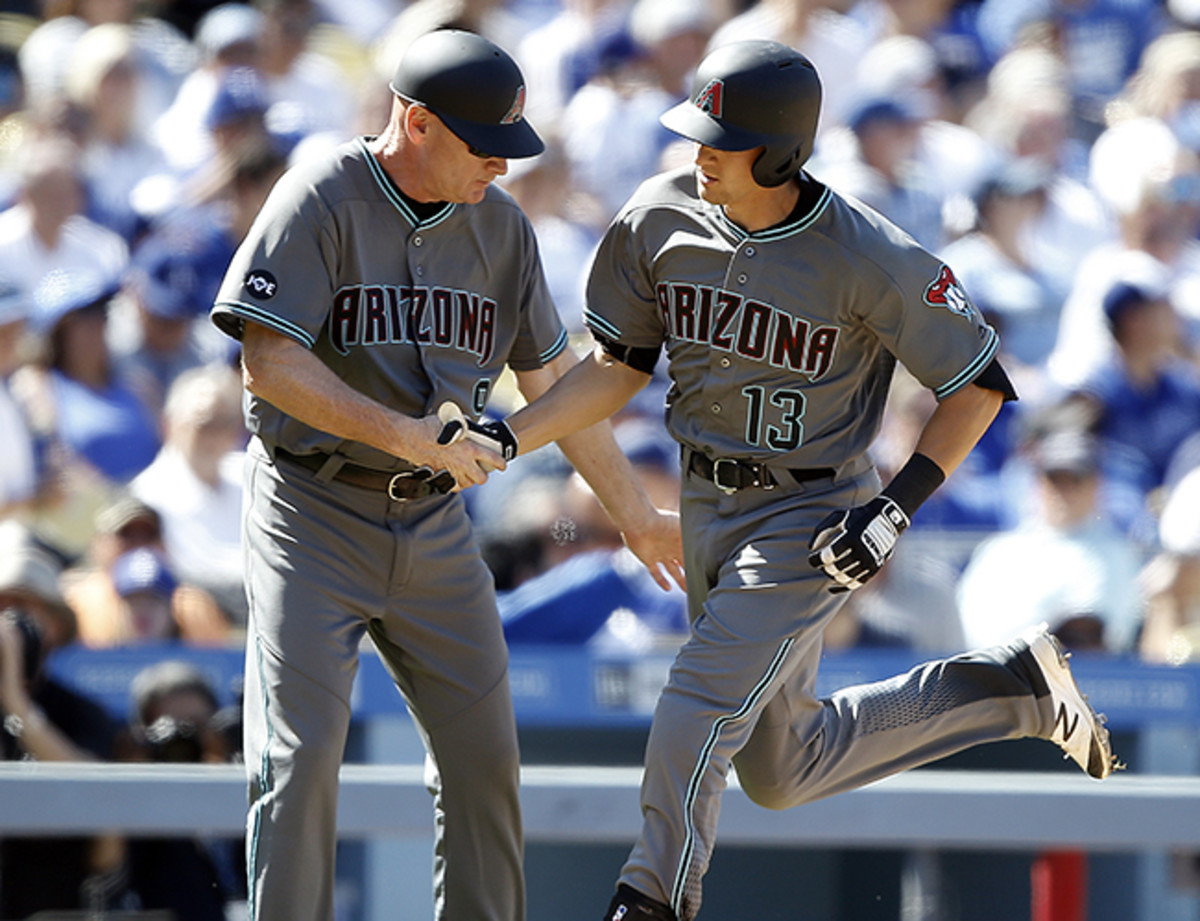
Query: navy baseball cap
{"x": 240, "y": 94}
{"x": 62, "y": 293}
{"x": 1125, "y": 296}
{"x": 1068, "y": 451}
{"x": 474, "y": 87}
{"x": 881, "y": 109}
{"x": 1014, "y": 178}
{"x": 169, "y": 281}
{"x": 143, "y": 571}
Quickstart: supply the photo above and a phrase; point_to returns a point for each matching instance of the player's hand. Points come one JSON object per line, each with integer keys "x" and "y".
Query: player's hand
{"x": 853, "y": 544}
{"x": 450, "y": 467}
{"x": 658, "y": 543}
{"x": 496, "y": 436}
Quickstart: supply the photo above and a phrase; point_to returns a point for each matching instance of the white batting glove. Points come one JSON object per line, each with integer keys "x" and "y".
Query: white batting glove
{"x": 852, "y": 545}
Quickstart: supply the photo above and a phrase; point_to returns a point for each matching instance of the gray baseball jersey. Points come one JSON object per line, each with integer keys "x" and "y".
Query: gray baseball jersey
{"x": 410, "y": 309}
{"x": 781, "y": 343}
{"x": 781, "y": 347}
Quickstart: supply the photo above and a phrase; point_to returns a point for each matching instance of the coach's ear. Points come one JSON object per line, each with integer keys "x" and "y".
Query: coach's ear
{"x": 416, "y": 123}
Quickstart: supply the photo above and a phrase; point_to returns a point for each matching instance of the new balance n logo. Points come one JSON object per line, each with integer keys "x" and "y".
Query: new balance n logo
{"x": 1063, "y": 719}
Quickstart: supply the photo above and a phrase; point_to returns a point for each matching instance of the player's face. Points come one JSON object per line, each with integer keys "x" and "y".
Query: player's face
{"x": 458, "y": 172}
{"x": 723, "y": 177}
{"x": 726, "y": 178}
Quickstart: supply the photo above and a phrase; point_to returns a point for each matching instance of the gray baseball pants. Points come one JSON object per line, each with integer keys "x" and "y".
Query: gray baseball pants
{"x": 327, "y": 563}
{"x": 741, "y": 689}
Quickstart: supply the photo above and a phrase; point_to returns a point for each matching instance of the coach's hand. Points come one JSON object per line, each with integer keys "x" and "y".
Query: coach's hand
{"x": 453, "y": 466}
{"x": 852, "y": 545}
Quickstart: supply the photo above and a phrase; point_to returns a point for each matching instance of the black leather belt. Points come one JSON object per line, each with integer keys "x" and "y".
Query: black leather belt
{"x": 730, "y": 474}
{"x": 407, "y": 484}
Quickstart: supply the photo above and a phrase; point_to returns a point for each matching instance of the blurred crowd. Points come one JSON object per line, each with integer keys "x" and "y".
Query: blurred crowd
{"x": 1048, "y": 150}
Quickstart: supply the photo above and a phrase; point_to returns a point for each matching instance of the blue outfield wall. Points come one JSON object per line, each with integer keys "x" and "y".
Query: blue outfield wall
{"x": 574, "y": 704}
{"x": 563, "y": 687}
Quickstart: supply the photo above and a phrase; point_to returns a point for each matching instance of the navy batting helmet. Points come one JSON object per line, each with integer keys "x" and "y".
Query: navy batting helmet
{"x": 753, "y": 94}
{"x": 473, "y": 86}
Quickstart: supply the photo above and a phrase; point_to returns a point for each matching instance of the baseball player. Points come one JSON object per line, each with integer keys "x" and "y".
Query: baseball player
{"x": 783, "y": 308}
{"x": 375, "y": 285}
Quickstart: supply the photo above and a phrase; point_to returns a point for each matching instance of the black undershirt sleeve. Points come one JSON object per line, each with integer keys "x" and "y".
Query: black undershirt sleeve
{"x": 995, "y": 378}
{"x": 643, "y": 359}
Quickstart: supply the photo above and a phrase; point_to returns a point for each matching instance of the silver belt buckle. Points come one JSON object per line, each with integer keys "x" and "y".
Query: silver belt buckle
{"x": 395, "y": 481}
{"x": 728, "y": 489}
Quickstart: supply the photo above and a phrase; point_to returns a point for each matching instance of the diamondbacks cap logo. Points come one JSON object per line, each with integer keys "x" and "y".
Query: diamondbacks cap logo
{"x": 711, "y": 99}
{"x": 261, "y": 284}
{"x": 513, "y": 115}
{"x": 945, "y": 291}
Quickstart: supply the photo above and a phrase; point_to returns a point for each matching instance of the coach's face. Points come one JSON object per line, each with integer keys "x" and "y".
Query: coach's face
{"x": 455, "y": 171}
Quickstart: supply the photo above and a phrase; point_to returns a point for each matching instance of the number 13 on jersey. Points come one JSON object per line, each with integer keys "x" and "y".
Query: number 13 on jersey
{"x": 773, "y": 419}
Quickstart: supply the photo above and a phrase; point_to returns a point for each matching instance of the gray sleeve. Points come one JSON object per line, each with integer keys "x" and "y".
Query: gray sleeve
{"x": 932, "y": 327}
{"x": 542, "y": 335}
{"x": 622, "y": 304}
{"x": 282, "y": 273}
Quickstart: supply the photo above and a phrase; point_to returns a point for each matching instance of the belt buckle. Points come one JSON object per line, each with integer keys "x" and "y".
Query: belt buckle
{"x": 728, "y": 488}
{"x": 395, "y": 481}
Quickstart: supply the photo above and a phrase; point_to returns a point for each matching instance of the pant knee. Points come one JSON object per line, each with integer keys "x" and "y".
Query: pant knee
{"x": 769, "y": 796}
{"x": 485, "y": 732}
{"x": 766, "y": 790}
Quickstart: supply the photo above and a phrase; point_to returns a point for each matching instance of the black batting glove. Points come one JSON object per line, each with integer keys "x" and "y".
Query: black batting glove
{"x": 853, "y": 544}
{"x": 496, "y": 436}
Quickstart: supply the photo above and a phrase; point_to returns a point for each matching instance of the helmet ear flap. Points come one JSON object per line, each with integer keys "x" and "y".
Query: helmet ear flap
{"x": 771, "y": 170}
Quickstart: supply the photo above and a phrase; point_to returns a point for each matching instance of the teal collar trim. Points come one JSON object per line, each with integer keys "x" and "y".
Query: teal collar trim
{"x": 791, "y": 227}
{"x": 393, "y": 194}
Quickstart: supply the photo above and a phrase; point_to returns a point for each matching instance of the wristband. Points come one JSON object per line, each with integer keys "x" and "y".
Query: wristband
{"x": 914, "y": 483}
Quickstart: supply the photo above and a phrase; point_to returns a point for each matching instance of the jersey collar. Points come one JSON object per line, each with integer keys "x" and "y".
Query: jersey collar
{"x": 808, "y": 210}
{"x": 399, "y": 200}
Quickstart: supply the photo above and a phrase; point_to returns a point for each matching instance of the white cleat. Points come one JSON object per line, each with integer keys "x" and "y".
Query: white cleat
{"x": 1078, "y": 729}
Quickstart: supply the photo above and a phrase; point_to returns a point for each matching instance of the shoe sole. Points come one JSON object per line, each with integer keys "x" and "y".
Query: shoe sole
{"x": 1074, "y": 716}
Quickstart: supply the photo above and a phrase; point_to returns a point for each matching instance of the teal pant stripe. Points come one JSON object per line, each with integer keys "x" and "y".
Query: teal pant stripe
{"x": 265, "y": 784}
{"x": 693, "y": 790}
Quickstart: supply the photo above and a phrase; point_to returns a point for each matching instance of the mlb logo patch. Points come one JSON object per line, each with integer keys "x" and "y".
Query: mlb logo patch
{"x": 711, "y": 99}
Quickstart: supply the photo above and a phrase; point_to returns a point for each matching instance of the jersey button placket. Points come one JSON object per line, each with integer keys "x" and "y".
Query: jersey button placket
{"x": 415, "y": 243}
{"x": 748, "y": 251}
